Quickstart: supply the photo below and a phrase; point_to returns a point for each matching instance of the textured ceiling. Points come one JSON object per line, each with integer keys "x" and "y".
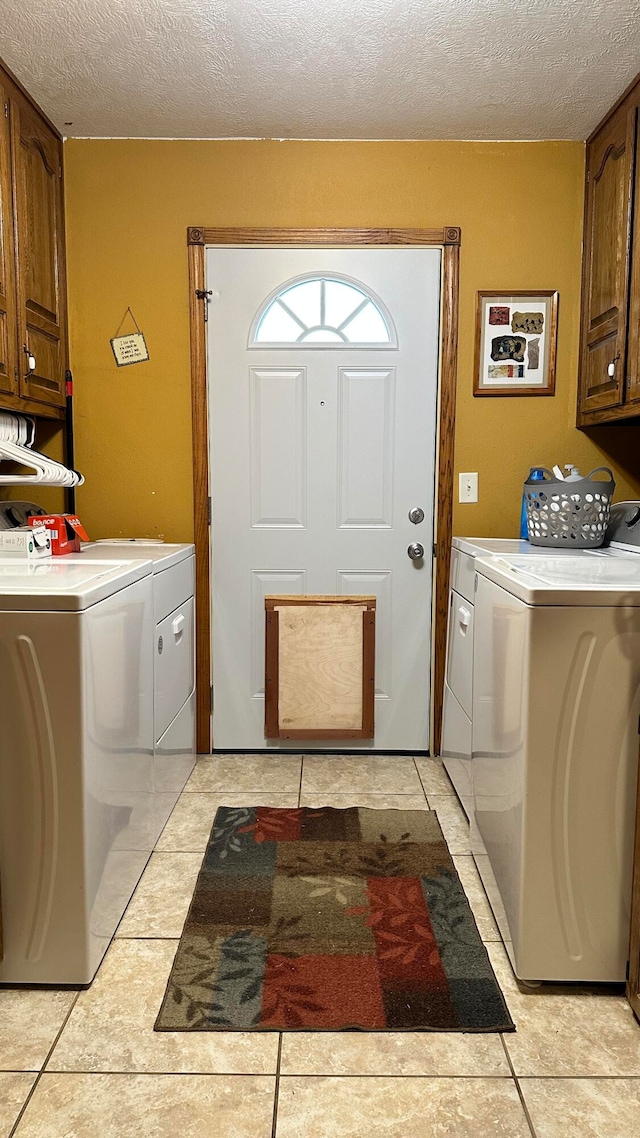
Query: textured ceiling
{"x": 472, "y": 69}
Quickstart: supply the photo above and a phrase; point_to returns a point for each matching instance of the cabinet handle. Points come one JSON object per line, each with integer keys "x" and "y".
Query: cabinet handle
{"x": 611, "y": 370}
{"x": 464, "y": 616}
{"x": 177, "y": 626}
{"x": 31, "y": 360}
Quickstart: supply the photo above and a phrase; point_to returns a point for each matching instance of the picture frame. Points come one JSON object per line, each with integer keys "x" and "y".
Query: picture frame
{"x": 516, "y": 341}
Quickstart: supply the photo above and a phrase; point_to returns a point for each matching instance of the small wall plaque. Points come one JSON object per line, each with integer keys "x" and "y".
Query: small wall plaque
{"x": 130, "y": 348}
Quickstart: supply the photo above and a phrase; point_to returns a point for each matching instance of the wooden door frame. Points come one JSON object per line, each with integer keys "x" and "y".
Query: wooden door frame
{"x": 633, "y": 968}
{"x": 448, "y": 239}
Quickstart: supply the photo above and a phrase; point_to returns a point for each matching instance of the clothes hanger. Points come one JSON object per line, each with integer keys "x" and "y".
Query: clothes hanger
{"x": 17, "y": 433}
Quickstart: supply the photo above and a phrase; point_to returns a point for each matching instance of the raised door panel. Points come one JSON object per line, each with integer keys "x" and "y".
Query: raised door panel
{"x": 365, "y": 447}
{"x": 278, "y": 448}
{"x": 263, "y": 583}
{"x": 378, "y": 584}
{"x": 606, "y": 264}
{"x": 40, "y": 259}
{"x": 8, "y": 381}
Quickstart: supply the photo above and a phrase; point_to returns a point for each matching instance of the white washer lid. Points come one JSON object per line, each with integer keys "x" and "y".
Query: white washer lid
{"x": 163, "y": 554}
{"x": 566, "y": 580}
{"x": 62, "y": 584}
{"x": 477, "y": 546}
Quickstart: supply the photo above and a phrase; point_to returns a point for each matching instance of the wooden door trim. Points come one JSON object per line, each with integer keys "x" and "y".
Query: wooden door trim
{"x": 633, "y": 972}
{"x": 448, "y": 238}
{"x": 201, "y": 504}
{"x": 445, "y": 476}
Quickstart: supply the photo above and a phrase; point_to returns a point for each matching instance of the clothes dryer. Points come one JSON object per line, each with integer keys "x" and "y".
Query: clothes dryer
{"x": 555, "y": 706}
{"x": 77, "y": 816}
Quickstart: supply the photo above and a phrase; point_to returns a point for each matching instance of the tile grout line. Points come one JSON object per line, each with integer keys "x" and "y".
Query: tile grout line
{"x": 300, "y": 783}
{"x": 330, "y": 1075}
{"x": 276, "y": 1093}
{"x": 292, "y": 1074}
{"x": 155, "y": 847}
{"x": 370, "y": 793}
{"x": 577, "y": 1078}
{"x": 117, "y": 935}
{"x": 139, "y": 1074}
{"x": 42, "y": 1068}
{"x": 424, "y": 789}
{"x": 145, "y": 936}
{"x": 300, "y": 1074}
{"x": 518, "y": 1087}
{"x": 376, "y": 1075}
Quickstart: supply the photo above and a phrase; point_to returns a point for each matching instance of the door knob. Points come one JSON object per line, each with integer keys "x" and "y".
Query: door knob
{"x": 415, "y": 551}
{"x": 416, "y": 515}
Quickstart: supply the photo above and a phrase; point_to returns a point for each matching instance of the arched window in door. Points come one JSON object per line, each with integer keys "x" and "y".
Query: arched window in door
{"x": 323, "y": 311}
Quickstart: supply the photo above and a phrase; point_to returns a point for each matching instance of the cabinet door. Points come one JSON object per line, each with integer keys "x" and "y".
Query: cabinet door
{"x": 632, "y": 393}
{"x": 8, "y": 380}
{"x": 610, "y": 160}
{"x": 40, "y": 256}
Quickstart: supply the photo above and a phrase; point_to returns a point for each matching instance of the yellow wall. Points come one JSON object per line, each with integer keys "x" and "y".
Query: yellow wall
{"x": 128, "y": 206}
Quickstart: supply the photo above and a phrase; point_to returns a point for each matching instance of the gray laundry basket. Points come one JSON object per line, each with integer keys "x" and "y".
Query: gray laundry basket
{"x": 568, "y": 514}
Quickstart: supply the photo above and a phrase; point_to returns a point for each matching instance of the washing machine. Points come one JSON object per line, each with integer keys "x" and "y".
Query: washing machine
{"x": 174, "y": 576}
{"x": 77, "y": 801}
{"x": 455, "y": 747}
{"x": 555, "y": 707}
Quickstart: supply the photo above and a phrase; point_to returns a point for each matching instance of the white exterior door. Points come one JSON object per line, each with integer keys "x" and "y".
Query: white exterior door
{"x": 322, "y": 377}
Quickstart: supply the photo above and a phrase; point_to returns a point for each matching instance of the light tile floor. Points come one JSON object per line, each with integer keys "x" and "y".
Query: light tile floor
{"x": 74, "y": 1065}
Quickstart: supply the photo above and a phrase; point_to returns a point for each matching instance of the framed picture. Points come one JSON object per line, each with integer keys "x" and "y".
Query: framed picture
{"x": 516, "y": 335}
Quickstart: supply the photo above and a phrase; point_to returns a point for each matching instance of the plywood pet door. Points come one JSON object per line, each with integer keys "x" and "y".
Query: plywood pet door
{"x": 320, "y": 667}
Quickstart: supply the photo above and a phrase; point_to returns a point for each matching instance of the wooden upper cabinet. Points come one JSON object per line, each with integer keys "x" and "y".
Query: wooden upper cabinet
{"x": 8, "y": 342}
{"x": 41, "y": 297}
{"x": 610, "y": 169}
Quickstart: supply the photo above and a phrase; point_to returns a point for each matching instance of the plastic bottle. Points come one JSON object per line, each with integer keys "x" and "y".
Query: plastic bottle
{"x": 573, "y": 474}
{"x": 536, "y": 474}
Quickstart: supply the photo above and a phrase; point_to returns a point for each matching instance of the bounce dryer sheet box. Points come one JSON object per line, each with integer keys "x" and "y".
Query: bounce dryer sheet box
{"x": 30, "y": 542}
{"x": 66, "y": 532}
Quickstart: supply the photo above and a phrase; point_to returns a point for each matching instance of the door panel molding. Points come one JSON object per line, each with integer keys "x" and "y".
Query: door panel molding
{"x": 278, "y": 404}
{"x": 448, "y": 238}
{"x": 357, "y": 482}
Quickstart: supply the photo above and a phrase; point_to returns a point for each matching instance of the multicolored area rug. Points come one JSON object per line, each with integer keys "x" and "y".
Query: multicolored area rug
{"x": 312, "y": 920}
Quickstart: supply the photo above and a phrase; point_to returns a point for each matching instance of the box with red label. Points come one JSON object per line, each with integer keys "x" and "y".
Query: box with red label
{"x": 66, "y": 531}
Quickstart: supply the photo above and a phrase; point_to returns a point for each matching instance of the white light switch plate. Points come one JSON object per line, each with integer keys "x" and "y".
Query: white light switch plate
{"x": 468, "y": 487}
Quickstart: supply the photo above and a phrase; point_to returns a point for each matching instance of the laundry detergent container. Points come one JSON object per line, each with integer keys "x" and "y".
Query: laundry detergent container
{"x": 570, "y": 513}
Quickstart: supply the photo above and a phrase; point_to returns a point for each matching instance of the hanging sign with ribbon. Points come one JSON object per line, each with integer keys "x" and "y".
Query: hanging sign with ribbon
{"x": 130, "y": 348}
